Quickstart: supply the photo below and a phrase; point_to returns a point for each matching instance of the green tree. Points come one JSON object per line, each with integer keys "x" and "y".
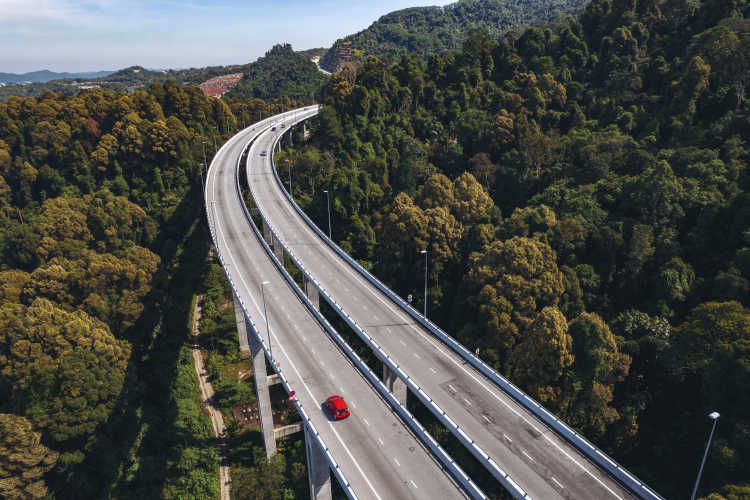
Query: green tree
{"x": 23, "y": 459}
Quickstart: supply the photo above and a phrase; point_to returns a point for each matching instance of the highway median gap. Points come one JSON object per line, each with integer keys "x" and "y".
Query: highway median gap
{"x": 529, "y": 405}
{"x": 418, "y": 430}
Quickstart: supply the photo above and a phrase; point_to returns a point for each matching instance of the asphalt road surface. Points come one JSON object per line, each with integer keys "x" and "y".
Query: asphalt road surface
{"x": 540, "y": 461}
{"x": 378, "y": 455}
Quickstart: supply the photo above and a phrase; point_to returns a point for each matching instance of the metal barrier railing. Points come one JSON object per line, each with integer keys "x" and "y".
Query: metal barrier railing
{"x": 420, "y": 432}
{"x": 593, "y": 453}
{"x": 306, "y": 419}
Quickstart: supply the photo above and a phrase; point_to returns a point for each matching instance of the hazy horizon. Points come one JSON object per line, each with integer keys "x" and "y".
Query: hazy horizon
{"x": 107, "y": 35}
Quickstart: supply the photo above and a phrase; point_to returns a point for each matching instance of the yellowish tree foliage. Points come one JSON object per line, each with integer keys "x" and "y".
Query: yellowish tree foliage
{"x": 12, "y": 283}
{"x": 598, "y": 366}
{"x": 437, "y": 191}
{"x": 64, "y": 369}
{"x": 542, "y": 355}
{"x": 471, "y": 203}
{"x": 23, "y": 459}
{"x": 515, "y": 280}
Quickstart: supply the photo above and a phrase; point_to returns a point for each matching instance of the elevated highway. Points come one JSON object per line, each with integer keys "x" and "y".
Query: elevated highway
{"x": 373, "y": 453}
{"x": 528, "y": 450}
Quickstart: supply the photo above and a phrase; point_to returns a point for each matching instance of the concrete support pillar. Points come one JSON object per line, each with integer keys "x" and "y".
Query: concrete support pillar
{"x": 278, "y": 250}
{"x": 318, "y": 472}
{"x": 264, "y": 397}
{"x": 267, "y": 234}
{"x": 312, "y": 293}
{"x": 241, "y": 329}
{"x": 395, "y": 385}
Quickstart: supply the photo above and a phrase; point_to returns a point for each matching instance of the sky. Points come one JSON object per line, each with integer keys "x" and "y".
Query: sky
{"x": 94, "y": 35}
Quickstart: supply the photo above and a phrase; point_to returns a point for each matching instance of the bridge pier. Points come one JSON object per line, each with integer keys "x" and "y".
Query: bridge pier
{"x": 241, "y": 328}
{"x": 395, "y": 385}
{"x": 312, "y": 293}
{"x": 267, "y": 234}
{"x": 278, "y": 250}
{"x": 318, "y": 471}
{"x": 264, "y": 396}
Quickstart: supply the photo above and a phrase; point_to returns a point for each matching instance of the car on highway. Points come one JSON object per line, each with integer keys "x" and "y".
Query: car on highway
{"x": 263, "y": 153}
{"x": 337, "y": 407}
{"x": 273, "y": 129}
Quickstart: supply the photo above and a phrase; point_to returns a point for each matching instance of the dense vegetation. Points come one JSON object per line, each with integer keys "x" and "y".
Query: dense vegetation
{"x": 100, "y": 216}
{"x": 281, "y": 72}
{"x": 253, "y": 476}
{"x": 583, "y": 193}
{"x": 429, "y": 30}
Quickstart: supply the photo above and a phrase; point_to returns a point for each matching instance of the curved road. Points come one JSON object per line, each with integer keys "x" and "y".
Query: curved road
{"x": 376, "y": 452}
{"x": 544, "y": 464}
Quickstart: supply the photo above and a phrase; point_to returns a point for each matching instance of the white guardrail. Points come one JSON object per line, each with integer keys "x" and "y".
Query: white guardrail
{"x": 473, "y": 447}
{"x": 422, "y": 434}
{"x": 635, "y": 485}
{"x": 311, "y": 427}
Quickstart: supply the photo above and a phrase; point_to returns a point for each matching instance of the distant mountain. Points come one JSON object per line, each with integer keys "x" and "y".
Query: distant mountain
{"x": 282, "y": 72}
{"x": 46, "y": 76}
{"x": 429, "y": 30}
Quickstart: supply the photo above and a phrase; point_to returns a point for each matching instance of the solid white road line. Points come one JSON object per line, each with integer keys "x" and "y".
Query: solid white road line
{"x": 294, "y": 367}
{"x": 360, "y": 279}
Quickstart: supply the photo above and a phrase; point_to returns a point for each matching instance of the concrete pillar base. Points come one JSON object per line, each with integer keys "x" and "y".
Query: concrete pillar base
{"x": 278, "y": 250}
{"x": 267, "y": 234}
{"x": 312, "y": 293}
{"x": 241, "y": 329}
{"x": 395, "y": 385}
{"x": 318, "y": 471}
{"x": 264, "y": 396}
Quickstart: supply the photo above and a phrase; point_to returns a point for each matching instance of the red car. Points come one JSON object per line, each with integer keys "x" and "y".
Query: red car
{"x": 337, "y": 407}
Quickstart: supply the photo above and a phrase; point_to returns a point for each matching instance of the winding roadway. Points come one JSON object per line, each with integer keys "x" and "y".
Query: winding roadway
{"x": 376, "y": 452}
{"x": 541, "y": 462}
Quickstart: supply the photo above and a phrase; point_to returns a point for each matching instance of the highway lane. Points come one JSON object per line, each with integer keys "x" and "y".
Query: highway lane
{"x": 541, "y": 462}
{"x": 378, "y": 455}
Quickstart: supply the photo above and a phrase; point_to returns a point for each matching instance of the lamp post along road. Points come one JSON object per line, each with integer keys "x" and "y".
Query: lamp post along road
{"x": 329, "y": 214}
{"x": 713, "y": 416}
{"x": 268, "y": 331}
{"x": 425, "y": 282}
{"x": 289, "y": 165}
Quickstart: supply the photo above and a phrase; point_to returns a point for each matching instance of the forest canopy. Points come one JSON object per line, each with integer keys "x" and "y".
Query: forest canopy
{"x": 583, "y": 192}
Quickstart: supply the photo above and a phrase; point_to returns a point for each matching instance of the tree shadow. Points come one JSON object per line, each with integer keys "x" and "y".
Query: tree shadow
{"x": 133, "y": 449}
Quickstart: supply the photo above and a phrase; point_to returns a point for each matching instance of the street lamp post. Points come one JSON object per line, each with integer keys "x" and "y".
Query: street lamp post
{"x": 203, "y": 186}
{"x": 289, "y": 165}
{"x": 203, "y": 143}
{"x": 213, "y": 219}
{"x": 425, "y": 282}
{"x": 328, "y": 198}
{"x": 713, "y": 416}
{"x": 214, "y": 134}
{"x": 268, "y": 331}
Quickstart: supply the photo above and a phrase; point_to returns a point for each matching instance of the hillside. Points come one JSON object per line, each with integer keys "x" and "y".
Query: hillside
{"x": 46, "y": 75}
{"x": 281, "y": 72}
{"x": 429, "y": 30}
{"x": 304, "y": 81}
{"x": 583, "y": 191}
